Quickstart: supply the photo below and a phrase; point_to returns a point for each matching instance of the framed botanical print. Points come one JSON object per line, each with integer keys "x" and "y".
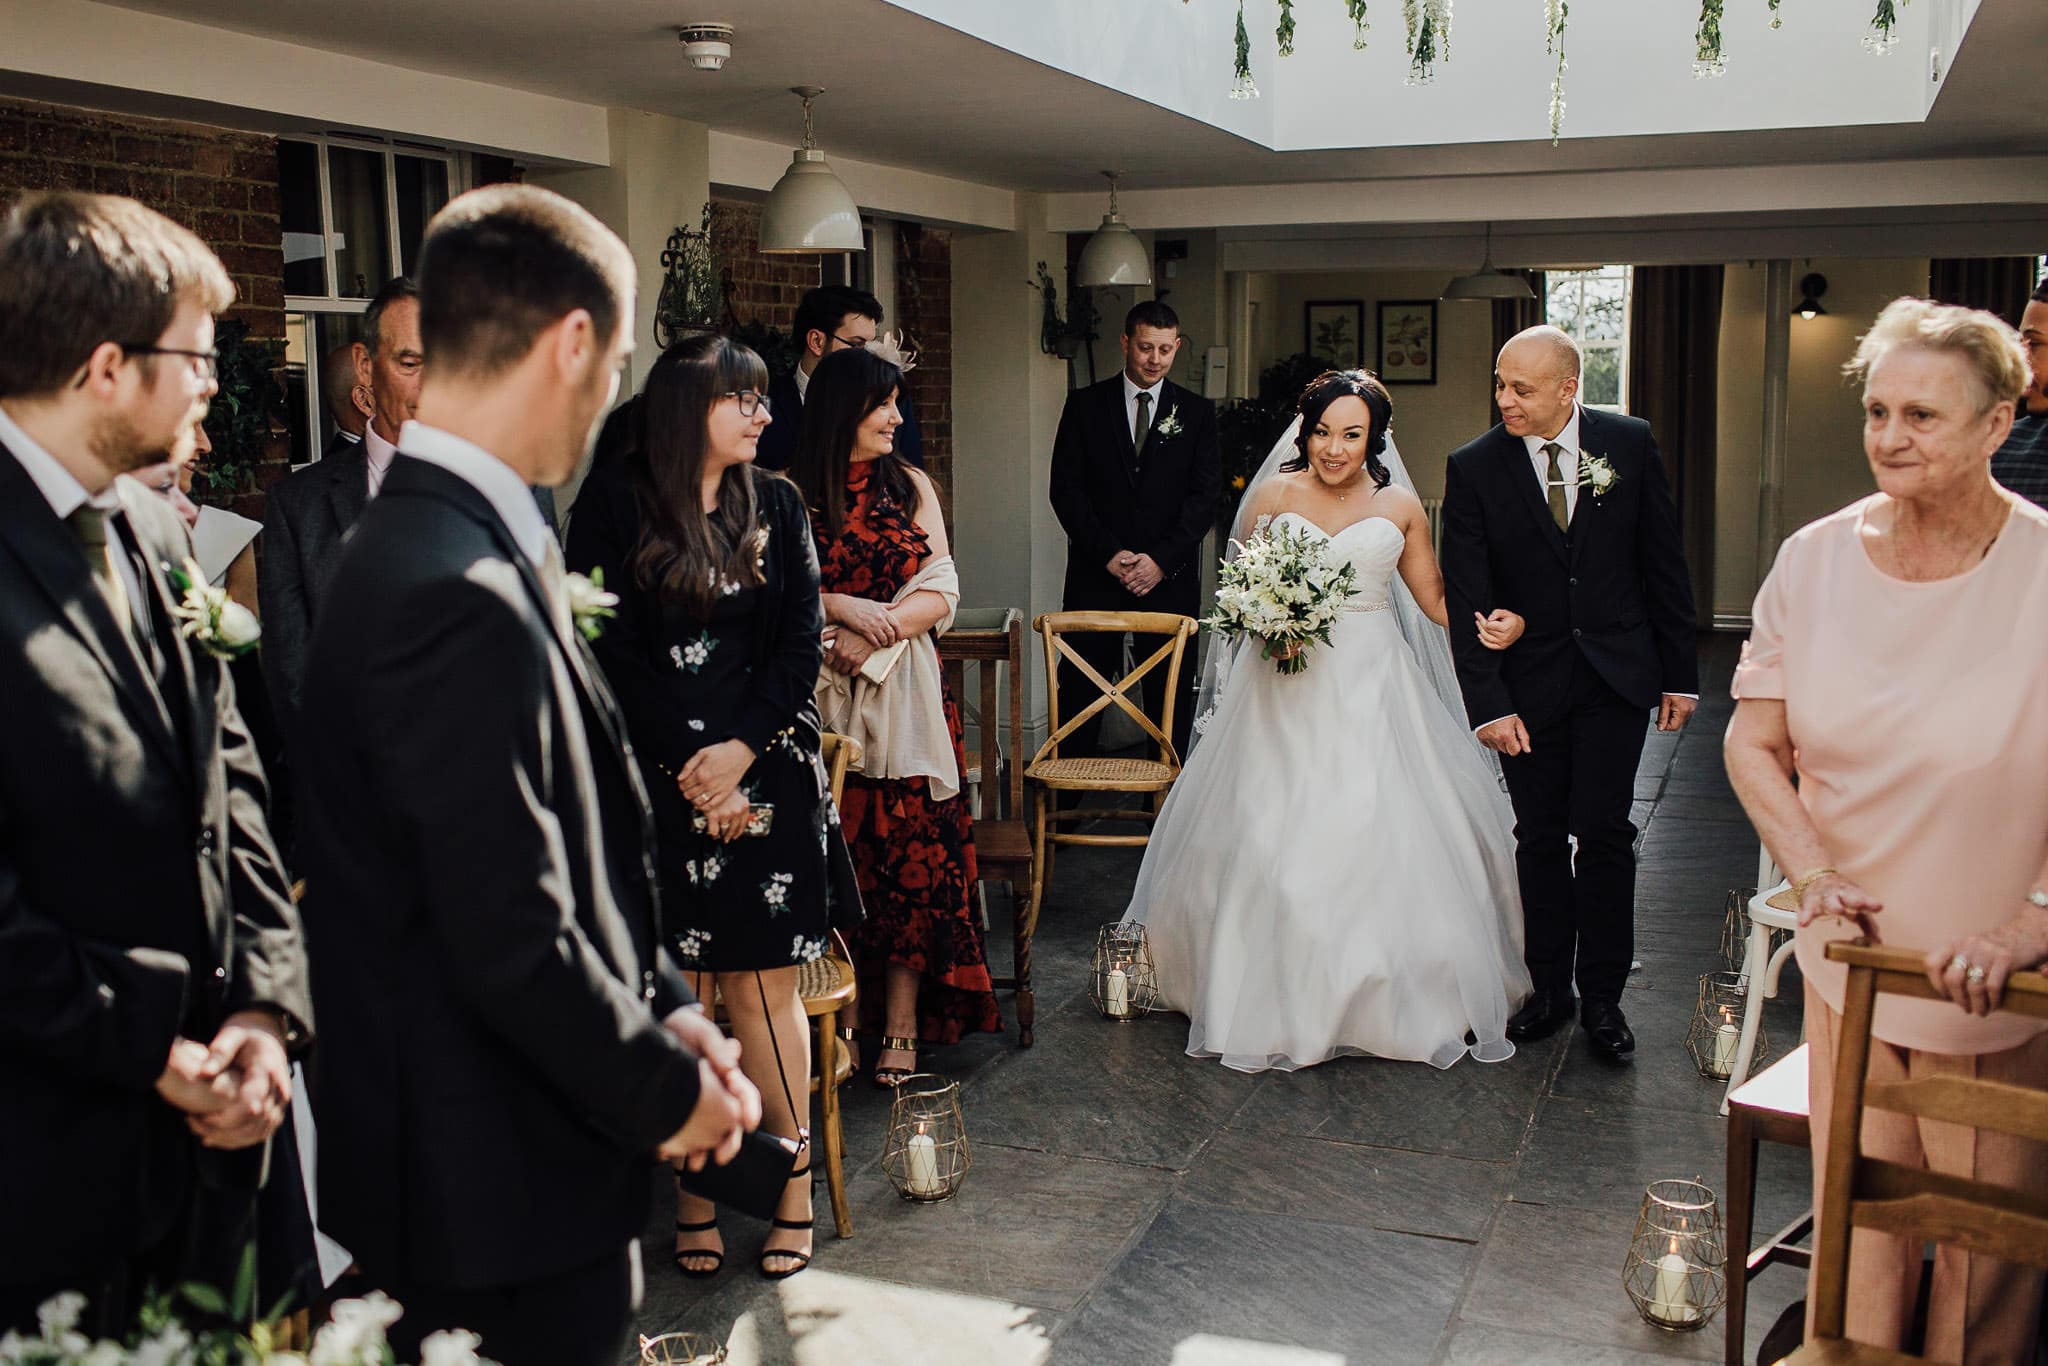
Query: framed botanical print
{"x": 1407, "y": 333}
{"x": 1334, "y": 332}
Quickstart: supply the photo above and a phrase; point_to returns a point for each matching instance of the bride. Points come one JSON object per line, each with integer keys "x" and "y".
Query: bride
{"x": 1334, "y": 870}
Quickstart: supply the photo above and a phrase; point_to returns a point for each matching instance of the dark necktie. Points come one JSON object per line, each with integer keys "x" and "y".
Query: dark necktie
{"x": 1144, "y": 425}
{"x": 1553, "y": 484}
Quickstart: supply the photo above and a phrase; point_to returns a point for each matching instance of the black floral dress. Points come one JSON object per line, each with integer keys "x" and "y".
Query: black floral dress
{"x": 761, "y": 901}
{"x": 914, "y": 853}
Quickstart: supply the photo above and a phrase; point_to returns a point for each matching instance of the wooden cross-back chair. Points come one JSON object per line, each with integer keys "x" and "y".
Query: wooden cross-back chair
{"x": 1051, "y": 772}
{"x": 1982, "y": 1217}
{"x": 993, "y": 641}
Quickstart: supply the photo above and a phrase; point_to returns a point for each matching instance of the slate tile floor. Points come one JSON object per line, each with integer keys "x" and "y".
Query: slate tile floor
{"x": 1131, "y": 1205}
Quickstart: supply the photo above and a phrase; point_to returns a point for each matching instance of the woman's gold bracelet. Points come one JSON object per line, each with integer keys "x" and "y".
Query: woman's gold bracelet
{"x": 1800, "y": 885}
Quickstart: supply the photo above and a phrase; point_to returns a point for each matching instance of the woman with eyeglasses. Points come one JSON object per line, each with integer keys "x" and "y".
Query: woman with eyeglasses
{"x": 713, "y": 654}
{"x": 889, "y": 582}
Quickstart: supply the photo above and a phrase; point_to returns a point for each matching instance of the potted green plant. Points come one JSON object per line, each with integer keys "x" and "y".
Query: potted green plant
{"x": 246, "y": 414}
{"x": 692, "y": 299}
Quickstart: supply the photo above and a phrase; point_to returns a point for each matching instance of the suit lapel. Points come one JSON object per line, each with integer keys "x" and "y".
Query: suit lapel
{"x": 1120, "y": 418}
{"x": 183, "y": 694}
{"x": 1586, "y": 512}
{"x": 348, "y": 490}
{"x": 48, "y": 552}
{"x": 1530, "y": 491}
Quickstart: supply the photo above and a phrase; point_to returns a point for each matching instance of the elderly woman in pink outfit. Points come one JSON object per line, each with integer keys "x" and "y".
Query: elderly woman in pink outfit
{"x": 1897, "y": 665}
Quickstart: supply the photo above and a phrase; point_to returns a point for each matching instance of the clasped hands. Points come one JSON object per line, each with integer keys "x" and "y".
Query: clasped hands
{"x": 710, "y": 781}
{"x": 861, "y": 627}
{"x": 728, "y": 1105}
{"x": 232, "y": 1092}
{"x": 1138, "y": 572}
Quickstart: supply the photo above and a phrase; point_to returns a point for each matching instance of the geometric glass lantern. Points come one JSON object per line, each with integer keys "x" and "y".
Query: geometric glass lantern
{"x": 1735, "y": 928}
{"x": 682, "y": 1349}
{"x": 925, "y": 1154}
{"x": 1121, "y": 981}
{"x": 1674, "y": 1273}
{"x": 1715, "y": 1035}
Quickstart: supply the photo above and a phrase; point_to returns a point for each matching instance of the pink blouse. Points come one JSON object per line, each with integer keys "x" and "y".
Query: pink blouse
{"x": 1919, "y": 721}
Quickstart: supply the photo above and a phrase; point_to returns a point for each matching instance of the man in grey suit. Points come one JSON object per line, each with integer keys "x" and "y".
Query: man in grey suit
{"x": 310, "y": 513}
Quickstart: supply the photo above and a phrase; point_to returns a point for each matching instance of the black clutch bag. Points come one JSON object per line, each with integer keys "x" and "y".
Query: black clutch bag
{"x": 754, "y": 1180}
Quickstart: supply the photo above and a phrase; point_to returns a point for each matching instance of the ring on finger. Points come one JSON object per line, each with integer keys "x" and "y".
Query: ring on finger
{"x": 1975, "y": 973}
{"x": 1958, "y": 963}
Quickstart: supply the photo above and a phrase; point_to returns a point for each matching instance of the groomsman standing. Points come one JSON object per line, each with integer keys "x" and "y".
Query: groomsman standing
{"x": 506, "y": 1049}
{"x": 1136, "y": 475}
{"x": 1564, "y": 515}
{"x": 152, "y": 976}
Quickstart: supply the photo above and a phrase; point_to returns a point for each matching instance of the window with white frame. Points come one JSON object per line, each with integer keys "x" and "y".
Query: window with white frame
{"x": 353, "y": 211}
{"x": 1592, "y": 306}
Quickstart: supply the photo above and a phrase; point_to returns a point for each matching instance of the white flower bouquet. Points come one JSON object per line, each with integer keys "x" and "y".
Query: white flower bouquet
{"x": 1287, "y": 588}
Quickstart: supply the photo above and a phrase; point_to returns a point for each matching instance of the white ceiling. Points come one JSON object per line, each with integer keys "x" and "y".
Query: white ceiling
{"x": 903, "y": 90}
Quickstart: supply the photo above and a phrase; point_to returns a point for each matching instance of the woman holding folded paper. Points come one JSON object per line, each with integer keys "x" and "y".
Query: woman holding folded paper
{"x": 713, "y": 653}
{"x": 890, "y": 588}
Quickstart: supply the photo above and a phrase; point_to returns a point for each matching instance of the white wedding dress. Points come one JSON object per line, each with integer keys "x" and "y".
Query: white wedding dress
{"x": 1334, "y": 871}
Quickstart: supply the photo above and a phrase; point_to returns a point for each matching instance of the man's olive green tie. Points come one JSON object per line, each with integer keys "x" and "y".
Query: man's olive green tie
{"x": 89, "y": 525}
{"x": 1144, "y": 425}
{"x": 1553, "y": 484}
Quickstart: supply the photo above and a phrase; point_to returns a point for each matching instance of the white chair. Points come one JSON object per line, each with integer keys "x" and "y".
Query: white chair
{"x": 1772, "y": 908}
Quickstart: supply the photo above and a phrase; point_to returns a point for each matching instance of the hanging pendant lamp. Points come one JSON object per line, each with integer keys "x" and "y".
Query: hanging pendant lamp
{"x": 1114, "y": 255}
{"x": 809, "y": 210}
{"x": 1488, "y": 282}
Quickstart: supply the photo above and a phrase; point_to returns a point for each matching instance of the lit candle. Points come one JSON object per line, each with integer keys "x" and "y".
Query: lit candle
{"x": 1117, "y": 996}
{"x": 923, "y": 1155}
{"x": 1671, "y": 1295}
{"x": 1727, "y": 1040}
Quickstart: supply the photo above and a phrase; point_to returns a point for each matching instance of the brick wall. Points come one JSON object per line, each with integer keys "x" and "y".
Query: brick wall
{"x": 219, "y": 183}
{"x": 766, "y": 289}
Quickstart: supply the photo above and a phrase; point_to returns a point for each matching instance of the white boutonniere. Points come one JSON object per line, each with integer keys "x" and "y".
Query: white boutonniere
{"x": 1170, "y": 424}
{"x": 1595, "y": 473}
{"x": 208, "y": 616}
{"x": 589, "y": 605}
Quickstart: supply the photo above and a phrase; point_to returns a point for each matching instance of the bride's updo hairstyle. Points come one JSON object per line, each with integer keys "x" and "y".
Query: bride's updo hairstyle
{"x": 1326, "y": 389}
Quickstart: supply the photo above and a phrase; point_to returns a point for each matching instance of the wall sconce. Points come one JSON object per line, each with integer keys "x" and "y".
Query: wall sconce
{"x": 1059, "y": 336}
{"x": 1811, "y": 288}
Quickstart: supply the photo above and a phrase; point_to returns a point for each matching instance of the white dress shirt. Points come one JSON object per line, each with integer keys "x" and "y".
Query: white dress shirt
{"x": 65, "y": 494}
{"x": 803, "y": 383}
{"x": 378, "y": 451}
{"x": 506, "y": 492}
{"x": 1131, "y": 392}
{"x": 1567, "y": 462}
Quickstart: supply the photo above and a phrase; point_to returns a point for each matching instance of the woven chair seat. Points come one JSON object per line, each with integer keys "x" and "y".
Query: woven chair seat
{"x": 1111, "y": 772}
{"x": 824, "y": 983}
{"x": 1783, "y": 900}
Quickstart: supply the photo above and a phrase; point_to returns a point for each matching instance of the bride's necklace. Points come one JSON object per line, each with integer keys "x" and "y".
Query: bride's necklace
{"x": 1350, "y": 486}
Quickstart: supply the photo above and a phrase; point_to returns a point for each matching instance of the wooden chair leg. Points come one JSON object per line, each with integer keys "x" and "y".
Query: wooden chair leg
{"x": 828, "y": 1122}
{"x": 1741, "y": 1193}
{"x": 1025, "y": 917}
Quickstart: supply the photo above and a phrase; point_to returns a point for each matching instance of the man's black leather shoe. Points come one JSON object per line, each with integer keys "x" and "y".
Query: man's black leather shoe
{"x": 1607, "y": 1030}
{"x": 1543, "y": 1015}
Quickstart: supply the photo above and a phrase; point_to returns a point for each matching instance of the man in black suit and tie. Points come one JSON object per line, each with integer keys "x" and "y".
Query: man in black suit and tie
{"x": 1136, "y": 475}
{"x": 310, "y": 512}
{"x": 829, "y": 318}
{"x": 1564, "y": 515}
{"x": 152, "y": 976}
{"x": 506, "y": 1049}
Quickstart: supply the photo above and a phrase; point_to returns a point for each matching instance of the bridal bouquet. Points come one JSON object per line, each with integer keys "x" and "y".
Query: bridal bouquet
{"x": 1286, "y": 587}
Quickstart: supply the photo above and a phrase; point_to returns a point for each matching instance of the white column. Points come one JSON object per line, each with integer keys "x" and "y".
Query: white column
{"x": 1770, "y": 508}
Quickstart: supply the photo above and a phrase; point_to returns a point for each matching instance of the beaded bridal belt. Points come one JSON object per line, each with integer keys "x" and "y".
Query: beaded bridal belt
{"x": 1368, "y": 606}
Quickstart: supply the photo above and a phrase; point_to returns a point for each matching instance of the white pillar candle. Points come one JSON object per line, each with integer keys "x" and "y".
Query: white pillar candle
{"x": 1117, "y": 996}
{"x": 922, "y": 1176}
{"x": 1727, "y": 1040}
{"x": 1671, "y": 1295}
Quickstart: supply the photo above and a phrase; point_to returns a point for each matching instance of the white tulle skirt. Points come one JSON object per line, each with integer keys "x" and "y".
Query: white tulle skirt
{"x": 1334, "y": 871}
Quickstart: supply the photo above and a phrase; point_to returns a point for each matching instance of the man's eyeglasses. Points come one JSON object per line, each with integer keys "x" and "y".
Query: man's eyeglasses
{"x": 751, "y": 400}
{"x": 852, "y": 343}
{"x": 207, "y": 363}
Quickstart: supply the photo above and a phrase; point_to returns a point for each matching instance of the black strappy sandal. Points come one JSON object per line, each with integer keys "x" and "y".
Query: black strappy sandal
{"x": 889, "y": 1078}
{"x": 716, "y": 1254}
{"x": 802, "y": 1259}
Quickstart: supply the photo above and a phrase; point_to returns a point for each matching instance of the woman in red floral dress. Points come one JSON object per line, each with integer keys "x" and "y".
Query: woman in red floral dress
{"x": 920, "y": 953}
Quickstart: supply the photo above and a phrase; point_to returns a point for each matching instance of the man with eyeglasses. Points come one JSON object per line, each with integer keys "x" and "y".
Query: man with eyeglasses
{"x": 830, "y": 318}
{"x": 152, "y": 974}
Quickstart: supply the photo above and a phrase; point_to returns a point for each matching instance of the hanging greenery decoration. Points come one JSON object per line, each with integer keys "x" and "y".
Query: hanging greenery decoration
{"x": 1555, "y": 13}
{"x": 1881, "y": 38}
{"x": 1355, "y": 11}
{"x": 1244, "y": 89}
{"x": 1707, "y": 57}
{"x": 1284, "y": 34}
{"x": 1429, "y": 37}
{"x": 1777, "y": 21}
